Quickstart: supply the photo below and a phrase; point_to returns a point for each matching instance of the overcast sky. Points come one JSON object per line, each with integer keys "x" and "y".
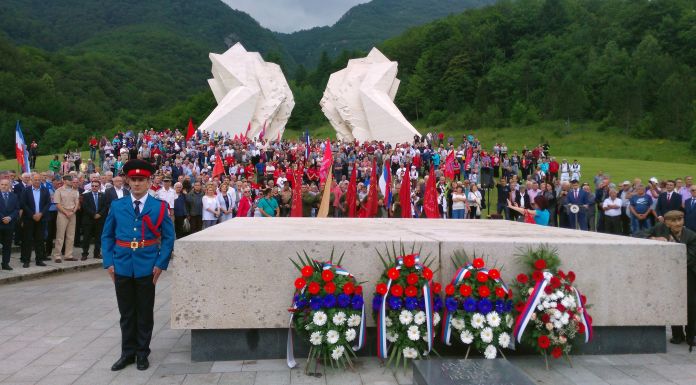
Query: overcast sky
{"x": 294, "y": 15}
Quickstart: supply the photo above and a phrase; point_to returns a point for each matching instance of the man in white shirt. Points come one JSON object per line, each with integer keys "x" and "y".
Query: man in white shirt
{"x": 612, "y": 213}
{"x": 167, "y": 194}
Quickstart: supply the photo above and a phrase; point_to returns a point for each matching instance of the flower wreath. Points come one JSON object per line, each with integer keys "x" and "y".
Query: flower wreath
{"x": 552, "y": 312}
{"x": 328, "y": 310}
{"x": 478, "y": 307}
{"x": 405, "y": 307}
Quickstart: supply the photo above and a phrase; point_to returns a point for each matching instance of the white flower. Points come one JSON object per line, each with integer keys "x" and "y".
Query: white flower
{"x": 530, "y": 291}
{"x": 553, "y": 297}
{"x": 350, "y": 335}
{"x": 436, "y": 319}
{"x": 540, "y": 307}
{"x": 533, "y": 316}
{"x": 338, "y": 352}
{"x": 467, "y": 337}
{"x": 319, "y": 318}
{"x": 565, "y": 302}
{"x": 308, "y": 327}
{"x": 413, "y": 333}
{"x": 339, "y": 318}
{"x": 508, "y": 320}
{"x": 559, "y": 294}
{"x": 546, "y": 304}
{"x": 487, "y": 335}
{"x": 490, "y": 352}
{"x": 562, "y": 339}
{"x": 504, "y": 340}
{"x": 478, "y": 321}
{"x": 558, "y": 324}
{"x": 410, "y": 353}
{"x": 354, "y": 320}
{"x": 549, "y": 326}
{"x": 332, "y": 336}
{"x": 315, "y": 338}
{"x": 564, "y": 321}
{"x": 392, "y": 337}
{"x": 493, "y": 319}
{"x": 406, "y": 317}
{"x": 388, "y": 322}
{"x": 419, "y": 318}
{"x": 458, "y": 323}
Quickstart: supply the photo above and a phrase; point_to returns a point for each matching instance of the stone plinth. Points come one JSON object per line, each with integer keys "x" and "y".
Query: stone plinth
{"x": 237, "y": 275}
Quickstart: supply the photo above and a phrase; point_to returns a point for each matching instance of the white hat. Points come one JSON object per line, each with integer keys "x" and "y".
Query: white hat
{"x": 654, "y": 180}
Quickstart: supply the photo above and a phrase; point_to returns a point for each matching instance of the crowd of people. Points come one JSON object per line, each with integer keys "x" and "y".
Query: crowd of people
{"x": 210, "y": 178}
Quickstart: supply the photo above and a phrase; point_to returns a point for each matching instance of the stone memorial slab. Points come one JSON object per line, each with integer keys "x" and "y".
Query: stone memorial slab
{"x": 468, "y": 372}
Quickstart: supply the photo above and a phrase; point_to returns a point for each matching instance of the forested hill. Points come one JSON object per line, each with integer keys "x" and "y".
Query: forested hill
{"x": 367, "y": 25}
{"x": 628, "y": 63}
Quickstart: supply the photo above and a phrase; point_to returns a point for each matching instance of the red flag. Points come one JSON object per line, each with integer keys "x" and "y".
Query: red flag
{"x": 236, "y": 137}
{"x": 263, "y": 131}
{"x": 430, "y": 198}
{"x": 218, "y": 169}
{"x": 371, "y": 208}
{"x": 191, "y": 130}
{"x": 405, "y": 196}
{"x": 296, "y": 210}
{"x": 246, "y": 133}
{"x": 449, "y": 166}
{"x": 352, "y": 193}
{"x": 326, "y": 162}
{"x": 469, "y": 155}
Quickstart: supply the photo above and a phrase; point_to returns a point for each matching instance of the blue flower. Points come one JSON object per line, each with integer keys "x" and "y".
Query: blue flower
{"x": 411, "y": 303}
{"x": 343, "y": 300}
{"x": 500, "y": 306}
{"x": 329, "y": 301}
{"x": 451, "y": 304}
{"x": 485, "y": 306}
{"x": 357, "y": 302}
{"x": 470, "y": 305}
{"x": 421, "y": 303}
{"x": 315, "y": 303}
{"x": 437, "y": 304}
{"x": 376, "y": 302}
{"x": 508, "y": 306}
{"x": 394, "y": 303}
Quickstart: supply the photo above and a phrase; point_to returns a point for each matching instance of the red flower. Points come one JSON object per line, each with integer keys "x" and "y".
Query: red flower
{"x": 411, "y": 291}
{"x": 556, "y": 352}
{"x": 510, "y": 293}
{"x": 393, "y": 273}
{"x": 481, "y": 277}
{"x": 500, "y": 292}
{"x": 519, "y": 307}
{"x": 537, "y": 276}
{"x": 410, "y": 261}
{"x": 313, "y": 288}
{"x": 567, "y": 287}
{"x": 397, "y": 291}
{"x": 555, "y": 282}
{"x": 545, "y": 318}
{"x": 571, "y": 313}
{"x": 348, "y": 288}
{"x": 327, "y": 275}
{"x": 478, "y": 263}
{"x": 412, "y": 279}
{"x": 449, "y": 289}
{"x": 560, "y": 307}
{"x": 358, "y": 290}
{"x": 467, "y": 274}
{"x": 543, "y": 342}
{"x": 381, "y": 289}
{"x": 307, "y": 271}
{"x": 300, "y": 283}
{"x": 540, "y": 264}
{"x": 561, "y": 274}
{"x": 571, "y": 276}
{"x": 484, "y": 291}
{"x": 583, "y": 299}
{"x": 494, "y": 274}
{"x": 437, "y": 288}
{"x": 465, "y": 290}
{"x": 548, "y": 289}
{"x": 522, "y": 278}
{"x": 427, "y": 274}
{"x": 581, "y": 328}
{"x": 330, "y": 287}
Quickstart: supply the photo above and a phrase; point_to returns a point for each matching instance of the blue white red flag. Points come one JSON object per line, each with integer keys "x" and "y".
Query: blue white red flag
{"x": 385, "y": 183}
{"x": 21, "y": 149}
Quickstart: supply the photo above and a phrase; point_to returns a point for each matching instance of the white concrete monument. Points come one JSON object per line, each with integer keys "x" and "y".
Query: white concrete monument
{"x": 359, "y": 101}
{"x": 248, "y": 90}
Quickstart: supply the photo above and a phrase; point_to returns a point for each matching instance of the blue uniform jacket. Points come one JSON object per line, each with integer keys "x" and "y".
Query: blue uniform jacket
{"x": 122, "y": 224}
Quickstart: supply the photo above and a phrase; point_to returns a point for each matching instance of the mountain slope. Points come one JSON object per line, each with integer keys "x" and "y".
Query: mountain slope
{"x": 367, "y": 25}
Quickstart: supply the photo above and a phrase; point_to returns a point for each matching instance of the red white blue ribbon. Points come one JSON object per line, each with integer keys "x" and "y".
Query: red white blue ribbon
{"x": 530, "y": 306}
{"x": 584, "y": 317}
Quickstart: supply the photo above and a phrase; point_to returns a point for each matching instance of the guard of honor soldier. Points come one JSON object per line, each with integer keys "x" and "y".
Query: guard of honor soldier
{"x": 137, "y": 242}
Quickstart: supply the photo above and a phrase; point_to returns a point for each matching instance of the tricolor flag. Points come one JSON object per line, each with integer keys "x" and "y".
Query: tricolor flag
{"x": 306, "y": 138}
{"x": 385, "y": 183}
{"x": 21, "y": 149}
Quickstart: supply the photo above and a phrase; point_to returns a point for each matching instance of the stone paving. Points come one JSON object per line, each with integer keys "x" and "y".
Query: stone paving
{"x": 63, "y": 329}
{"x": 20, "y": 273}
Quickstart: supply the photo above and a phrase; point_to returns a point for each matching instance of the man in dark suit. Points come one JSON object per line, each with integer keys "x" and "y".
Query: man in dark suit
{"x": 668, "y": 200}
{"x": 17, "y": 188}
{"x": 35, "y": 201}
{"x": 690, "y": 210}
{"x": 117, "y": 191}
{"x": 522, "y": 200}
{"x": 579, "y": 197}
{"x": 94, "y": 211}
{"x": 9, "y": 212}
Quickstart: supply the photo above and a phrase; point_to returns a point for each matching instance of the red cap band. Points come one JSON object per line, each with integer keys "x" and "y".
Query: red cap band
{"x": 139, "y": 172}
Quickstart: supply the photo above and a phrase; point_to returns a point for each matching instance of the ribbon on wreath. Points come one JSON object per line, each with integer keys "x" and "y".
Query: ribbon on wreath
{"x": 584, "y": 317}
{"x": 382, "y": 349}
{"x": 290, "y": 353}
{"x": 532, "y": 302}
{"x": 458, "y": 277}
